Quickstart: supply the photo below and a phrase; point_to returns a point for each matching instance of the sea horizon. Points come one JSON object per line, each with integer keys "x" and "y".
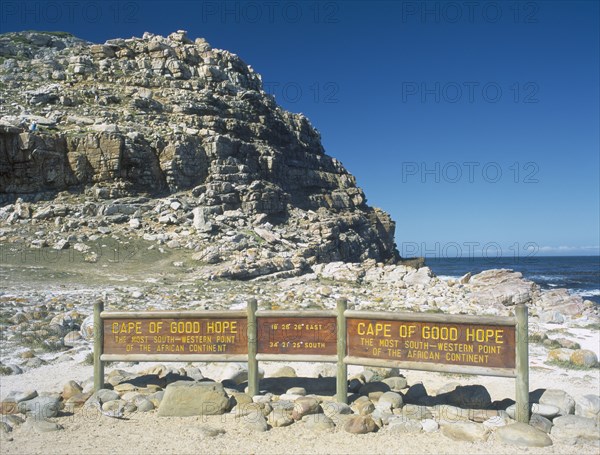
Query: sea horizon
{"x": 579, "y": 274}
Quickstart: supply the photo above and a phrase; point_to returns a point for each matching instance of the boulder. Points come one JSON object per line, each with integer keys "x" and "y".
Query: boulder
{"x": 318, "y": 422}
{"x": 39, "y": 425}
{"x": 41, "y": 407}
{"x": 305, "y": 406}
{"x": 560, "y": 399}
{"x": 392, "y": 398}
{"x": 584, "y": 358}
{"x": 189, "y": 398}
{"x": 588, "y": 406}
{"x": 360, "y": 425}
{"x": 574, "y": 429}
{"x": 522, "y": 435}
{"x": 465, "y": 431}
{"x": 399, "y": 424}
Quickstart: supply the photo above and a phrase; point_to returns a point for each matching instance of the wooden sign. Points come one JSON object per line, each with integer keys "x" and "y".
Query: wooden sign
{"x": 297, "y": 335}
{"x": 189, "y": 336}
{"x": 495, "y": 346}
{"x": 489, "y": 346}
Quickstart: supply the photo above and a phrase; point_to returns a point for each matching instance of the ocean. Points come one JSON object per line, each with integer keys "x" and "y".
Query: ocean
{"x": 579, "y": 274}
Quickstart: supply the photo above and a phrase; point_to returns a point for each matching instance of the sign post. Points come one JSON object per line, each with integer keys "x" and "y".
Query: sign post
{"x": 98, "y": 346}
{"x": 252, "y": 347}
{"x": 522, "y": 364}
{"x": 342, "y": 369}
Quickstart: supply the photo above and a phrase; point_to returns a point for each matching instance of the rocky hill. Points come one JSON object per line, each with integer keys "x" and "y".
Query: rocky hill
{"x": 170, "y": 140}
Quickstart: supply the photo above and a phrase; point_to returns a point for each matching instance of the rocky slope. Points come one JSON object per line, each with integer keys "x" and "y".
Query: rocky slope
{"x": 170, "y": 140}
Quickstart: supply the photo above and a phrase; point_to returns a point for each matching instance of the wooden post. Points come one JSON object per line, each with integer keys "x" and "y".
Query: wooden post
{"x": 98, "y": 345}
{"x": 252, "y": 346}
{"x": 522, "y": 365}
{"x": 342, "y": 368}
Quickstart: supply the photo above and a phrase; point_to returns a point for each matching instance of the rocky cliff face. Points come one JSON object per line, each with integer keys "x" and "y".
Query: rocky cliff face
{"x": 187, "y": 127}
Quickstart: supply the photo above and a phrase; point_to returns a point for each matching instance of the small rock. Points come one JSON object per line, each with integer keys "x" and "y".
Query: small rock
{"x": 574, "y": 429}
{"x": 588, "y": 406}
{"x": 413, "y": 411}
{"x": 296, "y": 391}
{"x": 399, "y": 424}
{"x": 360, "y": 425}
{"x": 71, "y": 389}
{"x": 71, "y": 338}
{"x": 37, "y": 425}
{"x": 560, "y": 399}
{"x": 114, "y": 407}
{"x": 41, "y": 407}
{"x": 559, "y": 355}
{"x": 305, "y": 406}
{"x": 429, "y": 425}
{"x": 105, "y": 395}
{"x": 584, "y": 358}
{"x": 522, "y": 435}
{"x": 61, "y": 245}
{"x": 465, "y": 431}
{"x": 318, "y": 422}
{"x": 255, "y": 422}
{"x": 334, "y": 410}
{"x": 540, "y": 422}
{"x": 280, "y": 418}
{"x": 17, "y": 397}
{"x": 393, "y": 398}
{"x": 363, "y": 406}
{"x": 284, "y": 372}
{"x": 496, "y": 421}
{"x": 395, "y": 383}
{"x": 144, "y": 405}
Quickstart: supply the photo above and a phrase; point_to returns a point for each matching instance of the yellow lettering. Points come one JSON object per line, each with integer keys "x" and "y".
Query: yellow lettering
{"x": 361, "y": 328}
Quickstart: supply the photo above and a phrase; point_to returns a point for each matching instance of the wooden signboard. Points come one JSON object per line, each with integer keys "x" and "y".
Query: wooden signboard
{"x": 297, "y": 335}
{"x": 163, "y": 338}
{"x": 486, "y": 345}
{"x": 431, "y": 342}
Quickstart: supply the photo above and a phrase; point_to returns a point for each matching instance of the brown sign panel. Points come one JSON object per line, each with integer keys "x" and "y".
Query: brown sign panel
{"x": 176, "y": 336}
{"x": 455, "y": 344}
{"x": 297, "y": 335}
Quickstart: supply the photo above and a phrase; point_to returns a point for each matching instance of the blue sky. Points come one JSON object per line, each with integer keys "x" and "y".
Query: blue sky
{"x": 474, "y": 124}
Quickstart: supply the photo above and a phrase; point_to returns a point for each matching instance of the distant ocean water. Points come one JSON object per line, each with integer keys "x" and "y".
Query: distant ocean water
{"x": 579, "y": 274}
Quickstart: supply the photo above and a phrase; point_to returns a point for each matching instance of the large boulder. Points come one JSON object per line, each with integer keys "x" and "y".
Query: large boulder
{"x": 523, "y": 435}
{"x": 191, "y": 398}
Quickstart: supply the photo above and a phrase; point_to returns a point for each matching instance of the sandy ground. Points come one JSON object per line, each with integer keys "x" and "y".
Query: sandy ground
{"x": 147, "y": 433}
{"x": 92, "y": 433}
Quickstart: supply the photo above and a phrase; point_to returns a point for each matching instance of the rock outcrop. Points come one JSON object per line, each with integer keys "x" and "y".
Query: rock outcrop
{"x": 157, "y": 116}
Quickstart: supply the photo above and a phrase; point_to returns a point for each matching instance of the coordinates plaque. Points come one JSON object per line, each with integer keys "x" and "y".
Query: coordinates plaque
{"x": 297, "y": 335}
